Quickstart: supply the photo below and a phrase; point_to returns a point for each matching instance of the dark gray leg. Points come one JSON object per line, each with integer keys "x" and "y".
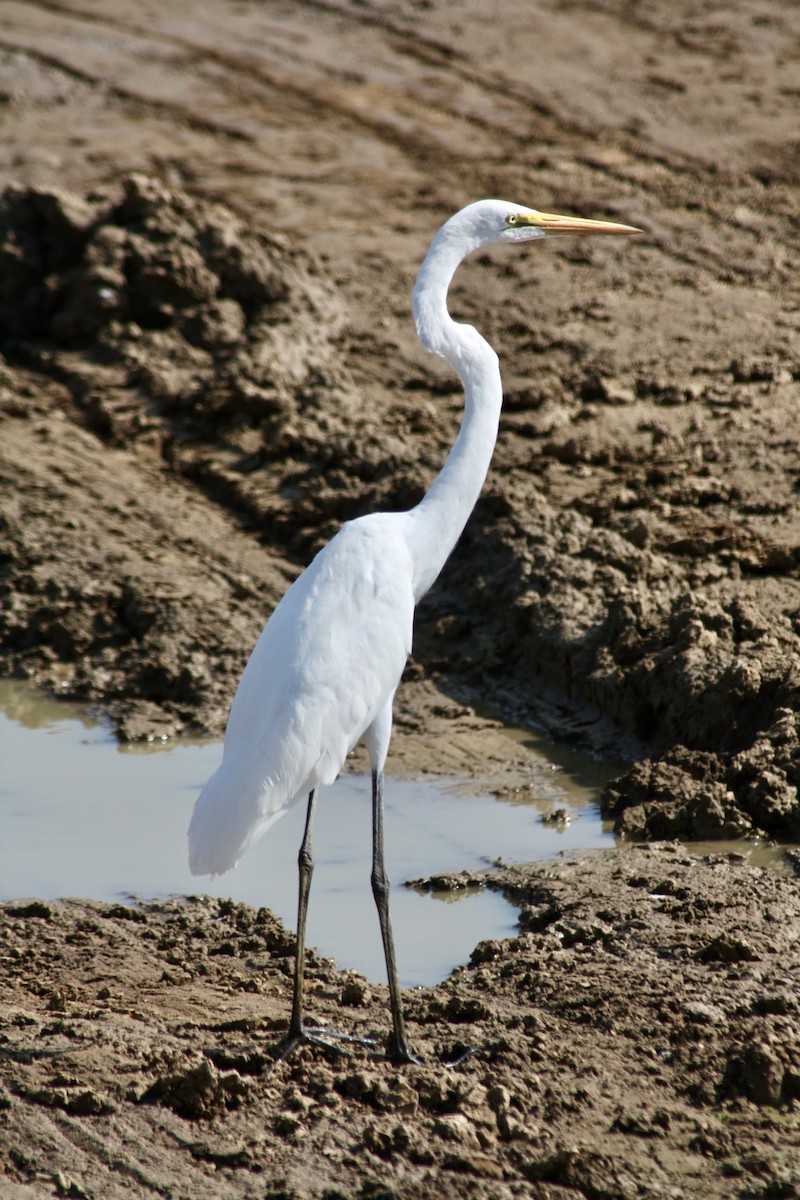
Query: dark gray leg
{"x": 298, "y": 1033}
{"x": 380, "y": 890}
{"x": 305, "y": 864}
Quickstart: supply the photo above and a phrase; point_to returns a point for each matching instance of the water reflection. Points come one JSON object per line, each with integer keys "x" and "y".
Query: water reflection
{"x": 80, "y": 815}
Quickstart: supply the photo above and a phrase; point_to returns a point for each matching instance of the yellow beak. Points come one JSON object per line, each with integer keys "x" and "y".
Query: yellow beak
{"x": 552, "y": 224}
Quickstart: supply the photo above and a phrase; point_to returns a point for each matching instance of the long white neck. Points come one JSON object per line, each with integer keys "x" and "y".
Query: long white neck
{"x": 439, "y": 518}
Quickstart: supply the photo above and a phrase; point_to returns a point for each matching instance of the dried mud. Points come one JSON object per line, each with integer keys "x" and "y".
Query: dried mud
{"x": 210, "y": 221}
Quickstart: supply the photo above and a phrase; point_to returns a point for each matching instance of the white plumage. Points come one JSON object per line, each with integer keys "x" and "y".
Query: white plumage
{"x": 320, "y": 673}
{"x": 324, "y": 672}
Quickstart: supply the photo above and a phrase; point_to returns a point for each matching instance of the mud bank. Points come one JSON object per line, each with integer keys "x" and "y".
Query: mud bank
{"x": 637, "y": 1039}
{"x": 194, "y": 400}
{"x": 207, "y": 362}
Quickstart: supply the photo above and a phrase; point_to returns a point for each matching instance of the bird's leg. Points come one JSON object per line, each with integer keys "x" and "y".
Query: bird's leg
{"x": 380, "y": 890}
{"x": 305, "y": 865}
{"x": 299, "y": 1033}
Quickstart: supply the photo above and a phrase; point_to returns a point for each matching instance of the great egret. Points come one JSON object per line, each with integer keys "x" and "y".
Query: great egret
{"x": 324, "y": 671}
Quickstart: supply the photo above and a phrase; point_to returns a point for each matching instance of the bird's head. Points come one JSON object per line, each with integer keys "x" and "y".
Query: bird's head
{"x": 489, "y": 222}
{"x": 484, "y": 223}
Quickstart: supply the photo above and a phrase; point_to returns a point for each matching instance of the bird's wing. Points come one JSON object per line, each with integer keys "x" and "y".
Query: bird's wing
{"x": 329, "y": 658}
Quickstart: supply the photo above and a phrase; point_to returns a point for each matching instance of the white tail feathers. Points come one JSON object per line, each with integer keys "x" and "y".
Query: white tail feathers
{"x": 227, "y": 819}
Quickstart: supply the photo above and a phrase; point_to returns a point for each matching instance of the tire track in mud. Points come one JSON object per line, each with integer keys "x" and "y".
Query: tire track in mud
{"x": 685, "y": 191}
{"x": 684, "y": 185}
{"x": 126, "y": 95}
{"x": 410, "y": 43}
{"x": 314, "y": 99}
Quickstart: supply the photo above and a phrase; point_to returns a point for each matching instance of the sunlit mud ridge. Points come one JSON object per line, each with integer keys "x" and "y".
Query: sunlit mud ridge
{"x": 214, "y": 359}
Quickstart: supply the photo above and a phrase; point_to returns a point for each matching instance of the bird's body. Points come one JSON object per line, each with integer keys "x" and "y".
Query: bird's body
{"x": 336, "y": 646}
{"x": 324, "y": 672}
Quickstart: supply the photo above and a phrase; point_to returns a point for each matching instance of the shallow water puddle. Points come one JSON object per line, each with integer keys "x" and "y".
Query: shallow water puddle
{"x": 81, "y": 815}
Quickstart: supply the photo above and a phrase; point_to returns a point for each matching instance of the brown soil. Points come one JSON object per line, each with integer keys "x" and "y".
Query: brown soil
{"x": 211, "y": 221}
{"x": 638, "y": 1039}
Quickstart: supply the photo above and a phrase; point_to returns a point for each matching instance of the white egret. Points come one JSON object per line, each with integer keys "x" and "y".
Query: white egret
{"x": 323, "y": 674}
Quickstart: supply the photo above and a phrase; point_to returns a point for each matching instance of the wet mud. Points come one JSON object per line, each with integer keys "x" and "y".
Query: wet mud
{"x": 637, "y": 1038}
{"x": 210, "y": 222}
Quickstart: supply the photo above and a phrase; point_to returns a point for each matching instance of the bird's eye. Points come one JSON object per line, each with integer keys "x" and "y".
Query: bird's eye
{"x": 512, "y": 219}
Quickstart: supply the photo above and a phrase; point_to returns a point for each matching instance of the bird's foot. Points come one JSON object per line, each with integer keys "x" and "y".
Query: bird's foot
{"x": 404, "y": 1055}
{"x": 312, "y": 1035}
{"x": 400, "y": 1055}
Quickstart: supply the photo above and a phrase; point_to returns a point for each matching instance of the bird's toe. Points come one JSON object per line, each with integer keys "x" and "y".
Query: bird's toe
{"x": 312, "y": 1035}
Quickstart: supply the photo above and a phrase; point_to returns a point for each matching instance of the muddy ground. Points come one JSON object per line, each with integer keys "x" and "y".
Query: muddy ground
{"x": 211, "y": 219}
{"x": 638, "y": 1039}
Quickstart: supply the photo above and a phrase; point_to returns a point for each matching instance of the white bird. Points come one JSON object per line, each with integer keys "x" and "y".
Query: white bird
{"x": 323, "y": 674}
